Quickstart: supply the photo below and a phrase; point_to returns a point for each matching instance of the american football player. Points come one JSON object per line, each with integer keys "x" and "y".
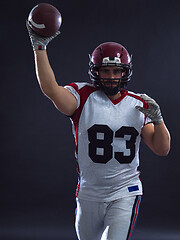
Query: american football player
{"x": 108, "y": 124}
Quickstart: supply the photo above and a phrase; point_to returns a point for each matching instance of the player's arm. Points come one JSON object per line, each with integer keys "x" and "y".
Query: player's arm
{"x": 156, "y": 134}
{"x": 157, "y": 138}
{"x": 61, "y": 97}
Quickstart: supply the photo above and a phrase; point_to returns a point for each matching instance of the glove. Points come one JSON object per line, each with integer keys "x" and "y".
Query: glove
{"x": 38, "y": 42}
{"x": 153, "y": 111}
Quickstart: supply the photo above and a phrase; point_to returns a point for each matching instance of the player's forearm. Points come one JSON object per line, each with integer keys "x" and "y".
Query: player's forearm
{"x": 161, "y": 139}
{"x": 44, "y": 72}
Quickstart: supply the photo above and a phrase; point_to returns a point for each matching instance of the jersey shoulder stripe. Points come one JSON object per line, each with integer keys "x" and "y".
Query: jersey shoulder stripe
{"x": 78, "y": 89}
{"x": 81, "y": 91}
{"x": 137, "y": 96}
{"x": 84, "y": 92}
{"x": 145, "y": 105}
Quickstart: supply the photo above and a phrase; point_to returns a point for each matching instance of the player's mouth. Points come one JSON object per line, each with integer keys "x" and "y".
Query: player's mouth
{"x": 110, "y": 83}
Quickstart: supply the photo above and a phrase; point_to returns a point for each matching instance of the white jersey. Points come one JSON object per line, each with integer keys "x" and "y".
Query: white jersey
{"x": 107, "y": 135}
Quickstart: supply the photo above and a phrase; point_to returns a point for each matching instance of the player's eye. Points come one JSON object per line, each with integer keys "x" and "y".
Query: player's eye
{"x": 117, "y": 71}
{"x": 105, "y": 70}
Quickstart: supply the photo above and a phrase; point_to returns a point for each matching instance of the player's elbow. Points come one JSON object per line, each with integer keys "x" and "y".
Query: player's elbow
{"x": 163, "y": 151}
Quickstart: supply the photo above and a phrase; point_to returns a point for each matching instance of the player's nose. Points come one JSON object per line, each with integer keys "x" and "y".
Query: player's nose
{"x": 111, "y": 74}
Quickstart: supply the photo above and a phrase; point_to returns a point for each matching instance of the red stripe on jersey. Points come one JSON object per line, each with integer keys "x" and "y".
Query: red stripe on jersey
{"x": 75, "y": 86}
{"x": 145, "y": 104}
{"x": 116, "y": 101}
{"x": 77, "y": 189}
{"x": 84, "y": 93}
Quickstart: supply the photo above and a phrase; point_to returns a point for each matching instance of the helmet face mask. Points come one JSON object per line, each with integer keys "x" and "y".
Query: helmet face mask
{"x": 110, "y": 54}
{"x": 109, "y": 86}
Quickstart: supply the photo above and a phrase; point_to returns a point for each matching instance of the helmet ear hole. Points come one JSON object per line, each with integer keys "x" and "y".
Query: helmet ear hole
{"x": 96, "y": 70}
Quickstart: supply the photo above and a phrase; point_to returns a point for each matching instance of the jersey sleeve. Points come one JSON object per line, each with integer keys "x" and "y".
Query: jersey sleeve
{"x": 73, "y": 88}
{"x": 81, "y": 91}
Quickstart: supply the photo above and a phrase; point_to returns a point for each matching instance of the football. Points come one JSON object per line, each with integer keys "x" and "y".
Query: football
{"x": 45, "y": 19}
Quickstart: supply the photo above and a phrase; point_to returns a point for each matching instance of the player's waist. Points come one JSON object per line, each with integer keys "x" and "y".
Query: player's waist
{"x": 109, "y": 193}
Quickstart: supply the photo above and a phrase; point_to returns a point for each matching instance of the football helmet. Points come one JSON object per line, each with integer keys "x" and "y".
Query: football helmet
{"x": 110, "y": 54}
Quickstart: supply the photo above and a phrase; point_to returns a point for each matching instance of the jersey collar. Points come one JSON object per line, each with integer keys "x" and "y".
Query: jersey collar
{"x": 123, "y": 94}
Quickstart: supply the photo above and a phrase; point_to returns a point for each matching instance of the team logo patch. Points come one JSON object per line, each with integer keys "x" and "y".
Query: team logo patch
{"x": 133, "y": 188}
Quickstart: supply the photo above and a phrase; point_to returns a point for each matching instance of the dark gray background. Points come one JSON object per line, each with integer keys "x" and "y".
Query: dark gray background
{"x": 37, "y": 164}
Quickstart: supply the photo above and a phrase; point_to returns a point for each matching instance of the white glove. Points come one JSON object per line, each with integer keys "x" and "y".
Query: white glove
{"x": 153, "y": 111}
{"x": 38, "y": 42}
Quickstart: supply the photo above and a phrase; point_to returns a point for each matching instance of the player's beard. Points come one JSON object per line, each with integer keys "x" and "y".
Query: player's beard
{"x": 110, "y": 87}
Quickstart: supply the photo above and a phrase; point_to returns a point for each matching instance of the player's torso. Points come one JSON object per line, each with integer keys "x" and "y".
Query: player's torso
{"x": 108, "y": 137}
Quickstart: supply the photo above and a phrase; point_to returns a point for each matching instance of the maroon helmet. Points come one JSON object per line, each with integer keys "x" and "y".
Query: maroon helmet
{"x": 110, "y": 54}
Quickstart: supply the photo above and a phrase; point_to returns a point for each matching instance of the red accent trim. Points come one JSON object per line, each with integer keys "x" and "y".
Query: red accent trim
{"x": 77, "y": 189}
{"x": 39, "y": 47}
{"x": 75, "y": 86}
{"x": 84, "y": 93}
{"x": 135, "y": 217}
{"x": 118, "y": 100}
{"x": 145, "y": 104}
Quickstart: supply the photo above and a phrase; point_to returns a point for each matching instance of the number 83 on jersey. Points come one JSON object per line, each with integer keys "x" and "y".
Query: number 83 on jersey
{"x": 101, "y": 138}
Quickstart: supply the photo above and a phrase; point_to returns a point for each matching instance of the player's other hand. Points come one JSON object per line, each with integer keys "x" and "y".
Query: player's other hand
{"x": 38, "y": 42}
{"x": 153, "y": 111}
